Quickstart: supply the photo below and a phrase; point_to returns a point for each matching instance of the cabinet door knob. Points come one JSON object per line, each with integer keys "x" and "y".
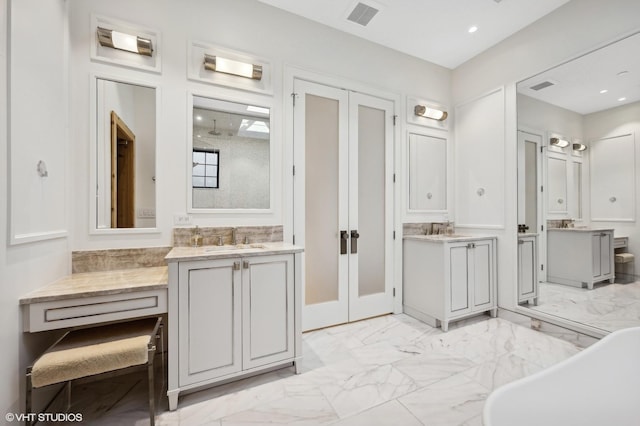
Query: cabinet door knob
{"x": 236, "y": 266}
{"x": 245, "y": 264}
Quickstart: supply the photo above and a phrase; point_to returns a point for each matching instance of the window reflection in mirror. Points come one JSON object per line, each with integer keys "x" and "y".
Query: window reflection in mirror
{"x": 230, "y": 155}
{"x": 125, "y": 163}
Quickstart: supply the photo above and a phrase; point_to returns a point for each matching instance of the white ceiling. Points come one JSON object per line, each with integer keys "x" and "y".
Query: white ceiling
{"x": 579, "y": 82}
{"x": 433, "y": 30}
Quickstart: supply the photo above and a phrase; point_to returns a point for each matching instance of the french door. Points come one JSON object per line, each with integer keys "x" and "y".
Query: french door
{"x": 343, "y": 203}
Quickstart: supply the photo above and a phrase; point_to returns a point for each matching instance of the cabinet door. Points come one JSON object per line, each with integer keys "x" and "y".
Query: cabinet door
{"x": 482, "y": 259}
{"x": 268, "y": 309}
{"x": 209, "y": 319}
{"x": 606, "y": 244}
{"x": 459, "y": 278}
{"x": 526, "y": 269}
{"x": 596, "y": 255}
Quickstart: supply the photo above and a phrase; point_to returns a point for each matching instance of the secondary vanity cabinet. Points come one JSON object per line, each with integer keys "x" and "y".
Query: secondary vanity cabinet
{"x": 448, "y": 278}
{"x": 580, "y": 256}
{"x": 235, "y": 316}
{"x": 528, "y": 268}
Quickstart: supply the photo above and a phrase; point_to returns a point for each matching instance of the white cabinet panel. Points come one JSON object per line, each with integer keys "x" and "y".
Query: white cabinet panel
{"x": 479, "y": 162}
{"x": 579, "y": 257}
{"x": 210, "y": 320}
{"x": 267, "y": 309}
{"x": 427, "y": 173}
{"x": 445, "y": 281}
{"x": 612, "y": 178}
{"x": 527, "y": 269}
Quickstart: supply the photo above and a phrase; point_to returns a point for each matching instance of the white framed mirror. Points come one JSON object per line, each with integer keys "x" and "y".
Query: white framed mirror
{"x": 123, "y": 155}
{"x": 230, "y": 155}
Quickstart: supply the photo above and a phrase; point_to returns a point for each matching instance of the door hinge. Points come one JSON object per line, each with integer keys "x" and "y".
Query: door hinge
{"x": 394, "y": 119}
{"x": 294, "y": 95}
{"x": 294, "y": 170}
{"x": 394, "y": 292}
{"x": 394, "y": 178}
{"x": 542, "y": 267}
{"x": 394, "y": 235}
{"x": 542, "y": 227}
{"x": 541, "y": 149}
{"x": 541, "y": 188}
{"x": 294, "y": 239}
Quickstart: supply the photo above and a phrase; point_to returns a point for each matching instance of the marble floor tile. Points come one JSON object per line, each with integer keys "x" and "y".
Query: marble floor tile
{"x": 391, "y": 370}
{"x": 381, "y": 415}
{"x": 608, "y": 307}
{"x": 451, "y": 401}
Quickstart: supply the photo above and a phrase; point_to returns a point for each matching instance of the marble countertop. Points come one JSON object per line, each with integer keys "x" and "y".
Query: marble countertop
{"x": 581, "y": 229}
{"x": 89, "y": 284}
{"x": 178, "y": 254}
{"x": 454, "y": 238}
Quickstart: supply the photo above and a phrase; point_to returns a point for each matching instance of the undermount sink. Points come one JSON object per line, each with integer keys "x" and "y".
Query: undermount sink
{"x": 233, "y": 247}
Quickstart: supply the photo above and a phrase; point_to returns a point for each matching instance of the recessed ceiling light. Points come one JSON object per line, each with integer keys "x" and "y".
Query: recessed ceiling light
{"x": 604, "y": 91}
{"x": 622, "y": 99}
{"x": 472, "y": 29}
{"x": 199, "y": 117}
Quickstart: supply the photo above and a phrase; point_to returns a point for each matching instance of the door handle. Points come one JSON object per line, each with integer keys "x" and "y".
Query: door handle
{"x": 354, "y": 241}
{"x": 344, "y": 237}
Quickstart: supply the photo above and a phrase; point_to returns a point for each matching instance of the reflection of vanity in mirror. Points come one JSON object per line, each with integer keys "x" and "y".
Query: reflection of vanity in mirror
{"x": 577, "y": 188}
{"x": 230, "y": 155}
{"x": 125, "y": 155}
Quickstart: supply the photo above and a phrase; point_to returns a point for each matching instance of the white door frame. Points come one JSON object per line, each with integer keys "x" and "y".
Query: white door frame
{"x": 290, "y": 74}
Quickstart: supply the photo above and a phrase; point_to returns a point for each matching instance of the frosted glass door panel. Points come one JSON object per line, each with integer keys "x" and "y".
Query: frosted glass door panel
{"x": 322, "y": 199}
{"x": 557, "y": 183}
{"x": 371, "y": 193}
{"x": 531, "y": 185}
{"x": 427, "y": 172}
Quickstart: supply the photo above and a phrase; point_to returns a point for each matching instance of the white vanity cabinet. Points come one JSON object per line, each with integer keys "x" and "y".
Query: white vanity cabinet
{"x": 448, "y": 278}
{"x": 580, "y": 256}
{"x": 528, "y": 268}
{"x": 230, "y": 316}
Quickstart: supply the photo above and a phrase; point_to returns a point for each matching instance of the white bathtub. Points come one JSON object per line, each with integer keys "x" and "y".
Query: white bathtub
{"x": 599, "y": 386}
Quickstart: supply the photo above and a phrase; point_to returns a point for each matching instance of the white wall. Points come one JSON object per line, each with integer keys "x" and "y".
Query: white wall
{"x": 248, "y": 26}
{"x": 575, "y": 28}
{"x": 27, "y": 266}
{"x": 615, "y": 122}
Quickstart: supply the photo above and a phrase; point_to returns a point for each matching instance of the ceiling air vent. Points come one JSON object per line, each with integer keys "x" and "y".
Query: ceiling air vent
{"x": 542, "y": 85}
{"x": 362, "y": 14}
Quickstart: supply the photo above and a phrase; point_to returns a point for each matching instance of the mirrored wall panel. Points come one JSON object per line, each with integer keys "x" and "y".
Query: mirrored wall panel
{"x": 587, "y": 233}
{"x": 125, "y": 155}
{"x": 230, "y": 155}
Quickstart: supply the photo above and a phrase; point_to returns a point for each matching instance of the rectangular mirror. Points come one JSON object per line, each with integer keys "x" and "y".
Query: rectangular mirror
{"x": 125, "y": 155}
{"x": 230, "y": 155}
{"x": 427, "y": 173}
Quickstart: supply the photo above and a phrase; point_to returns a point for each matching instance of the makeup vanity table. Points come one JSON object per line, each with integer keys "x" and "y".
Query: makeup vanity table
{"x": 96, "y": 297}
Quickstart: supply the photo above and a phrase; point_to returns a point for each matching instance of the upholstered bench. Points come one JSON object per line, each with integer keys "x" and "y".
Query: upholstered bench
{"x": 94, "y": 351}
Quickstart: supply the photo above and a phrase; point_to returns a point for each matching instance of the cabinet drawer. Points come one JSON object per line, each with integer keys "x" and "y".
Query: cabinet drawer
{"x": 91, "y": 310}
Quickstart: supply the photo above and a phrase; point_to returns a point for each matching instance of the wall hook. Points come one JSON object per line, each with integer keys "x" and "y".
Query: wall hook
{"x": 480, "y": 192}
{"x": 42, "y": 169}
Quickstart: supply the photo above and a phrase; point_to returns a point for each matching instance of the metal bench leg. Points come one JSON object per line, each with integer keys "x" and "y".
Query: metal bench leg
{"x": 29, "y": 390}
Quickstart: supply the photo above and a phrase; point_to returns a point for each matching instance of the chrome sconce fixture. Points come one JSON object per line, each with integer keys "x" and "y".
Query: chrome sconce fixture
{"x": 229, "y": 66}
{"x": 560, "y": 143}
{"x": 579, "y": 147}
{"x": 432, "y": 113}
{"x": 123, "y": 41}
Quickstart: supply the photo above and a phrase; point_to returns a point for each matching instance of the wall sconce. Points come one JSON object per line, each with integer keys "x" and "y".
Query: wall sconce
{"x": 432, "y": 113}
{"x": 124, "y": 41}
{"x": 579, "y": 147}
{"x": 229, "y": 66}
{"x": 561, "y": 143}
